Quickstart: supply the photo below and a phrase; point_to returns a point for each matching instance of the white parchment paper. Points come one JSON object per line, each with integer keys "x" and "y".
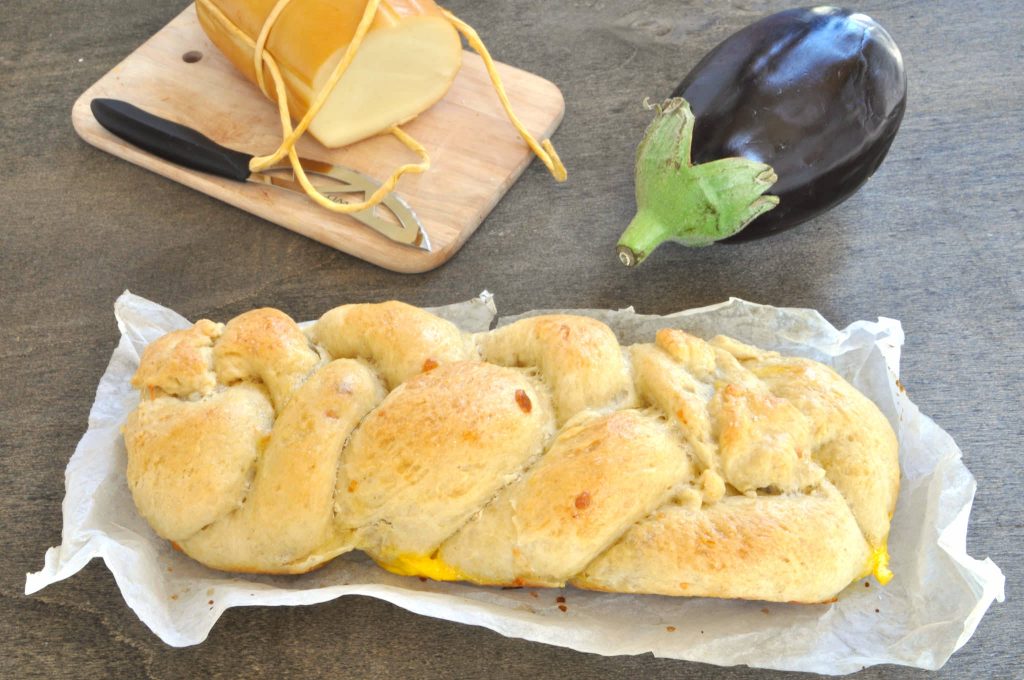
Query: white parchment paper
{"x": 929, "y": 610}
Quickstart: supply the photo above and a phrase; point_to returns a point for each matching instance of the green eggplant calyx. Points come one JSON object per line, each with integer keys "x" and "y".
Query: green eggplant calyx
{"x": 676, "y": 200}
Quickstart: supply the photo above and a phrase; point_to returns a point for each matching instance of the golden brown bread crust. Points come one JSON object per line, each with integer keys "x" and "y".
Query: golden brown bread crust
{"x": 434, "y": 452}
{"x": 798, "y": 548}
{"x": 541, "y": 453}
{"x": 189, "y": 461}
{"x": 180, "y": 363}
{"x": 601, "y": 475}
{"x": 286, "y": 523}
{"x": 578, "y": 357}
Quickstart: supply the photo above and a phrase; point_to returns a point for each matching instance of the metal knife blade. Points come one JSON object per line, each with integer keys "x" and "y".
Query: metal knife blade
{"x": 399, "y": 223}
{"x": 187, "y": 147}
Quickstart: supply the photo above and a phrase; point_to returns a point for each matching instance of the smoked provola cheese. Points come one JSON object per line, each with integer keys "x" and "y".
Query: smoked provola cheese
{"x": 406, "y": 63}
{"x": 541, "y": 453}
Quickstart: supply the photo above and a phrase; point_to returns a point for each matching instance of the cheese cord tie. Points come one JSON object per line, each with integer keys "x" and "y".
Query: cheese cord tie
{"x": 544, "y": 151}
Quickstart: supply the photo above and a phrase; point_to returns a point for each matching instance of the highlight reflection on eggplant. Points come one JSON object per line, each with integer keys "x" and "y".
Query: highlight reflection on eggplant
{"x": 815, "y": 95}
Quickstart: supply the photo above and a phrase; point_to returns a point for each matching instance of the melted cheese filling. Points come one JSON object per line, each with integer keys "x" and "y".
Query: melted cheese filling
{"x": 423, "y": 565}
{"x": 878, "y": 564}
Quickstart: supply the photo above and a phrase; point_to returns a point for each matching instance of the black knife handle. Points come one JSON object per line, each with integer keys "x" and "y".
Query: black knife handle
{"x": 170, "y": 141}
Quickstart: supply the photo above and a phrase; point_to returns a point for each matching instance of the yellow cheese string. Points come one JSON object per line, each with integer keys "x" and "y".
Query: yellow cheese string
{"x": 262, "y": 57}
{"x": 544, "y": 151}
{"x": 261, "y": 44}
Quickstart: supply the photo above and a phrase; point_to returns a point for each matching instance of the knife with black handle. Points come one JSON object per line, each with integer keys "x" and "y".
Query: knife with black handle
{"x": 191, "y": 149}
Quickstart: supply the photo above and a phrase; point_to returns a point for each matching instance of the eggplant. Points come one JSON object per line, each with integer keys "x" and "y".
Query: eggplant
{"x": 779, "y": 123}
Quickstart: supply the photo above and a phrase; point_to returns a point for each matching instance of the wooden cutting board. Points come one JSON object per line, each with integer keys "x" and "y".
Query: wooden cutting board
{"x": 475, "y": 153}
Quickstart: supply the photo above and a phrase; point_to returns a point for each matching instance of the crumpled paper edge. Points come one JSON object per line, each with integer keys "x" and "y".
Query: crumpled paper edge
{"x": 930, "y": 482}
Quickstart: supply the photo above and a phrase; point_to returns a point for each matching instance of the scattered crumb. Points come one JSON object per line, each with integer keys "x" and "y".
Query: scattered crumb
{"x": 170, "y": 568}
{"x": 563, "y": 607}
{"x": 210, "y": 602}
{"x": 174, "y": 597}
{"x": 900, "y": 386}
{"x": 423, "y": 579}
{"x": 876, "y": 610}
{"x": 533, "y": 593}
{"x": 764, "y": 610}
{"x": 702, "y": 632}
{"x": 559, "y": 599}
{"x": 670, "y": 629}
{"x": 867, "y": 584}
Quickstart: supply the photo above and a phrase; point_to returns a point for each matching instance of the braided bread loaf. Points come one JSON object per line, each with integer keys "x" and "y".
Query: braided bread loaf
{"x": 541, "y": 453}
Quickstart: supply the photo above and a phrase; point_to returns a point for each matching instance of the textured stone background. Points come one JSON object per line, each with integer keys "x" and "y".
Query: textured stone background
{"x": 932, "y": 240}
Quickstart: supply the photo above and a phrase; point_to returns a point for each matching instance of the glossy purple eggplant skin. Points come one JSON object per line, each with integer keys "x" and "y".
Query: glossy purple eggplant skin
{"x": 817, "y": 93}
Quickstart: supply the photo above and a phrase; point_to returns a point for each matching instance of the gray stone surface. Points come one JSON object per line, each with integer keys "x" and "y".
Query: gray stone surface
{"x": 932, "y": 240}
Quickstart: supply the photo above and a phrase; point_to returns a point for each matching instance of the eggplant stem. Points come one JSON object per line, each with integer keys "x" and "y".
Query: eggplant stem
{"x": 695, "y": 205}
{"x": 642, "y": 236}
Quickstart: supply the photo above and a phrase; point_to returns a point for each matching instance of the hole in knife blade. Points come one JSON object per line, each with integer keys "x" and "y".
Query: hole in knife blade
{"x": 382, "y": 211}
